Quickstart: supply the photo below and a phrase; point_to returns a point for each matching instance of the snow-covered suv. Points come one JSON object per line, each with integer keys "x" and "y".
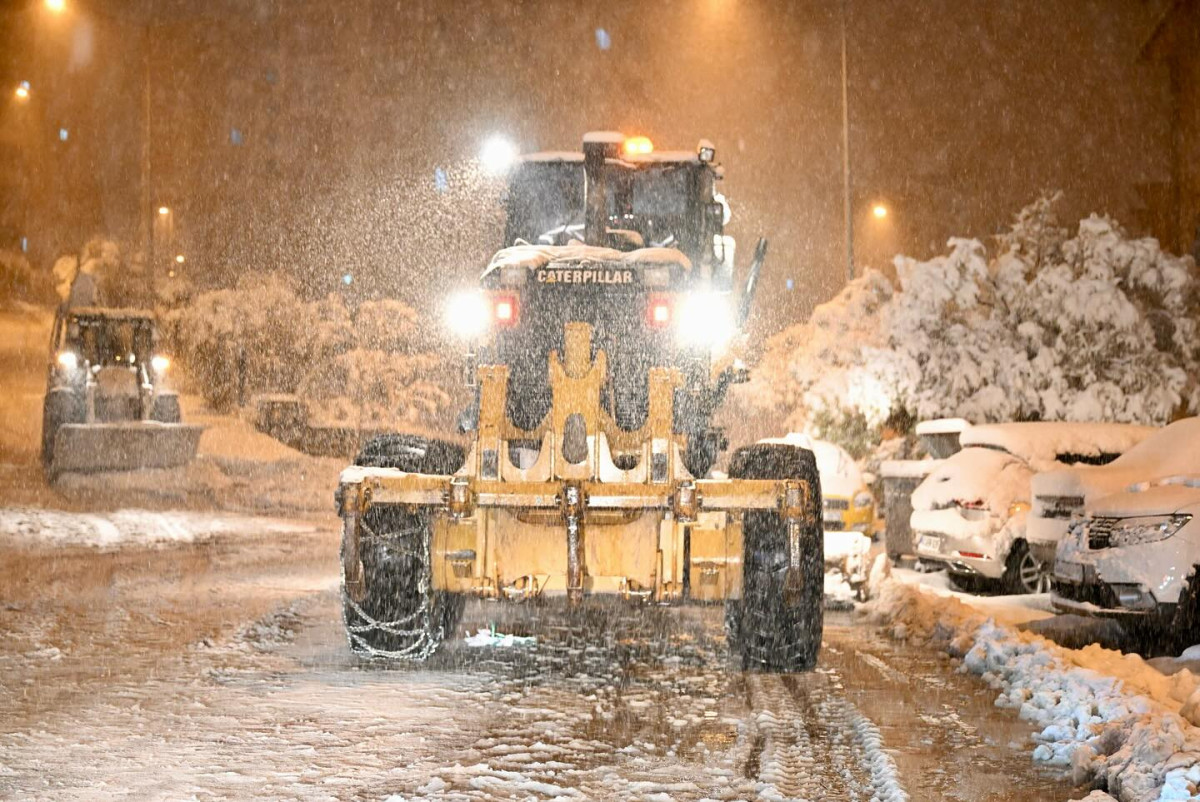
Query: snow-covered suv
{"x": 1061, "y": 494}
{"x": 969, "y": 514}
{"x": 1135, "y": 555}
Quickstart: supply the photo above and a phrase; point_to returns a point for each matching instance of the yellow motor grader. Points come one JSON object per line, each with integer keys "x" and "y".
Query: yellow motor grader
{"x": 600, "y": 349}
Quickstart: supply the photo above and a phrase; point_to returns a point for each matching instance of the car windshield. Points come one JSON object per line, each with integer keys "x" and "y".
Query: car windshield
{"x": 102, "y": 341}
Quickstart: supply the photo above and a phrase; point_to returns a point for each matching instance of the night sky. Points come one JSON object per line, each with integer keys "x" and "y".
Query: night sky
{"x": 307, "y": 135}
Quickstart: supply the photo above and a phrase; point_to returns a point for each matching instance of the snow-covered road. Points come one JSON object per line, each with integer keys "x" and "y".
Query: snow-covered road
{"x": 217, "y": 669}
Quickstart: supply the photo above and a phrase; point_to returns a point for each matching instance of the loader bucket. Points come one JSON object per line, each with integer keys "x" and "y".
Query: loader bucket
{"x": 92, "y": 447}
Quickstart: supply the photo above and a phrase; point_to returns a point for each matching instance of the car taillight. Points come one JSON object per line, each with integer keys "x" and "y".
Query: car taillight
{"x": 977, "y": 504}
{"x": 506, "y": 311}
{"x": 658, "y": 312}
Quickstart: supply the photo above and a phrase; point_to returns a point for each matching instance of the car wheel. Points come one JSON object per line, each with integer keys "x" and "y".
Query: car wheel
{"x": 969, "y": 583}
{"x": 1023, "y": 572}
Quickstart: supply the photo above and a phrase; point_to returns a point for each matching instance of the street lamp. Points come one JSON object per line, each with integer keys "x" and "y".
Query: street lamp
{"x": 179, "y": 259}
{"x": 22, "y": 92}
{"x": 880, "y": 211}
{"x": 56, "y": 6}
{"x": 163, "y": 210}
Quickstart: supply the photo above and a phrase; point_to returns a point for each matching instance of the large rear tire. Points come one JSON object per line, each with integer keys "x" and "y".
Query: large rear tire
{"x": 394, "y": 613}
{"x": 60, "y": 406}
{"x": 412, "y": 453}
{"x": 778, "y": 623}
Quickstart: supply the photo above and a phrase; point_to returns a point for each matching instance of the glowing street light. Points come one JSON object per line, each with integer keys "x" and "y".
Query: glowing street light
{"x": 497, "y": 154}
{"x": 56, "y": 6}
{"x": 23, "y": 90}
{"x": 179, "y": 258}
{"x": 163, "y": 210}
{"x": 880, "y": 211}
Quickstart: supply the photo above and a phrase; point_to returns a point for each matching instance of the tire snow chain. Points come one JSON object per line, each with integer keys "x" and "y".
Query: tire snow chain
{"x": 428, "y": 639}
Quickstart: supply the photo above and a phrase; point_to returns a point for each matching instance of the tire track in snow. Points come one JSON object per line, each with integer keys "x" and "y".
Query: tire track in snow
{"x": 811, "y": 743}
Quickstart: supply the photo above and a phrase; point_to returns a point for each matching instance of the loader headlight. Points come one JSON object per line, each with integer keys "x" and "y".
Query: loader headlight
{"x": 468, "y": 314}
{"x": 68, "y": 360}
{"x": 160, "y": 363}
{"x": 705, "y": 319}
{"x": 1146, "y": 529}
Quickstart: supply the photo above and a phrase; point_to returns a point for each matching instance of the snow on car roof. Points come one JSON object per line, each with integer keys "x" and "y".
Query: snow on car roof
{"x": 1170, "y": 451}
{"x": 975, "y": 474}
{"x": 532, "y": 257}
{"x": 943, "y": 426}
{"x": 1045, "y": 441}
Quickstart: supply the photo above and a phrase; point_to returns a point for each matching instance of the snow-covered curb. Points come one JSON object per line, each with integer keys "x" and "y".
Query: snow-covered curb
{"x": 33, "y": 526}
{"x": 1100, "y": 715}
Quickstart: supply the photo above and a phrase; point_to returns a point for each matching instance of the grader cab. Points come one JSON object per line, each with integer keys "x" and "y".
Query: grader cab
{"x": 597, "y": 373}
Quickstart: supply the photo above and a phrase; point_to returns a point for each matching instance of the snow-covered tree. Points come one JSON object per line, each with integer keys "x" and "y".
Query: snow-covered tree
{"x": 1097, "y": 326}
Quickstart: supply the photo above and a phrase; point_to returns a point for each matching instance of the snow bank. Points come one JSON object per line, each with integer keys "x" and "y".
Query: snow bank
{"x": 1105, "y": 716}
{"x": 29, "y": 526}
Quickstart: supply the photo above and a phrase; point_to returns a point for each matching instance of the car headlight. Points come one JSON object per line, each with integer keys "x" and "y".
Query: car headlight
{"x": 863, "y": 500}
{"x": 1147, "y": 529}
{"x": 160, "y": 363}
{"x": 1017, "y": 507}
{"x": 705, "y": 319}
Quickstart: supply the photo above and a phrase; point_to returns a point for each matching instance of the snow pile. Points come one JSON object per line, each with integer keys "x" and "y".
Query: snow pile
{"x": 31, "y": 526}
{"x": 491, "y": 638}
{"x": 1107, "y": 717}
{"x": 1093, "y": 327}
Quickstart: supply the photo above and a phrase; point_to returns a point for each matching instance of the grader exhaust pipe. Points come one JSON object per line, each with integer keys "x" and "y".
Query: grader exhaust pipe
{"x": 596, "y": 148}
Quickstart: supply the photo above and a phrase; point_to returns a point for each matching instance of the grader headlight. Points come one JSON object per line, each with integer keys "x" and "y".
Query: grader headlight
{"x": 705, "y": 319}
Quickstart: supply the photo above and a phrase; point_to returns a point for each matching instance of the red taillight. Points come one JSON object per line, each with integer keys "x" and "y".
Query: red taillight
{"x": 506, "y": 310}
{"x": 658, "y": 312}
{"x": 977, "y": 504}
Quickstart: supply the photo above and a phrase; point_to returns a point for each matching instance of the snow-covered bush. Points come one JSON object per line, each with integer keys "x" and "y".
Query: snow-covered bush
{"x": 262, "y": 337}
{"x": 1096, "y": 326}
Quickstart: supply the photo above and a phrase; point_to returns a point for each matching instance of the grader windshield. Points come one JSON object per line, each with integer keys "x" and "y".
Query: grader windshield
{"x": 664, "y": 199}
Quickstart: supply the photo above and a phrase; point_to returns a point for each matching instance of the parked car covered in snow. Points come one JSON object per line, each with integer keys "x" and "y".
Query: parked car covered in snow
{"x": 969, "y": 514}
{"x": 1061, "y": 494}
{"x": 1135, "y": 557}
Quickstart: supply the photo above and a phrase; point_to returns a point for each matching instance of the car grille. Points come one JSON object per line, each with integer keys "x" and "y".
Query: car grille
{"x": 837, "y": 504}
{"x": 1062, "y": 507}
{"x": 1099, "y": 532}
